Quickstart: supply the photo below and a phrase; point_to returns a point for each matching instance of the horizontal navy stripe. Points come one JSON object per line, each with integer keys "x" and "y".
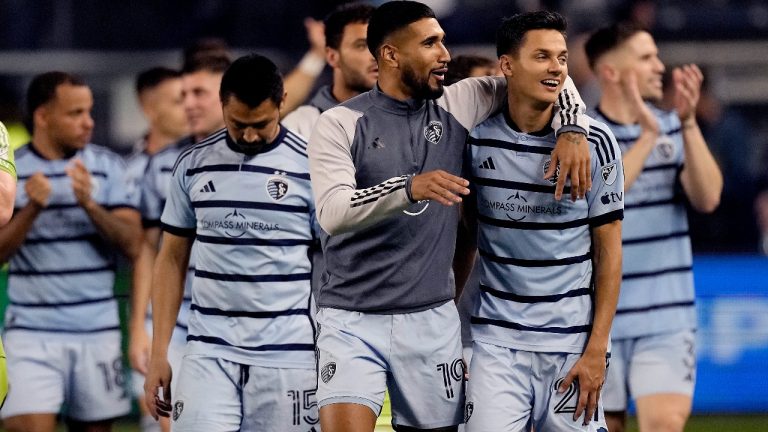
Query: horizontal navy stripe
{"x": 506, "y": 184}
{"x": 60, "y": 272}
{"x": 248, "y": 314}
{"x": 253, "y": 241}
{"x": 54, "y": 330}
{"x": 522, "y": 148}
{"x": 683, "y": 304}
{"x": 179, "y": 231}
{"x": 534, "y": 262}
{"x": 253, "y": 278}
{"x": 120, "y": 206}
{"x": 150, "y": 223}
{"x": 668, "y": 201}
{"x": 657, "y": 238}
{"x": 274, "y": 347}
{"x": 661, "y": 167}
{"x": 250, "y": 205}
{"x": 632, "y": 139}
{"x": 516, "y": 326}
{"x": 63, "y": 174}
{"x": 166, "y": 169}
{"x": 63, "y": 304}
{"x": 532, "y": 225}
{"x": 606, "y": 218}
{"x": 656, "y": 273}
{"x": 243, "y": 168}
{"x": 84, "y": 237}
{"x": 534, "y": 299}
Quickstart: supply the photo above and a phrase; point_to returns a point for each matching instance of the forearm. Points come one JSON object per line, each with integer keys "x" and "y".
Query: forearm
{"x": 7, "y": 196}
{"x": 167, "y": 293}
{"x": 15, "y": 232}
{"x": 466, "y": 249}
{"x": 701, "y": 177}
{"x": 634, "y": 158}
{"x": 142, "y": 283}
{"x": 607, "y": 267}
{"x": 121, "y": 227}
{"x": 300, "y": 81}
{"x": 570, "y": 110}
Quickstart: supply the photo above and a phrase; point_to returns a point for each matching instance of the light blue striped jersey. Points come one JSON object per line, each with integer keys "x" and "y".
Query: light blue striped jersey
{"x": 253, "y": 217}
{"x": 154, "y": 192}
{"x": 657, "y": 293}
{"x": 62, "y": 277}
{"x": 136, "y": 164}
{"x": 536, "y": 284}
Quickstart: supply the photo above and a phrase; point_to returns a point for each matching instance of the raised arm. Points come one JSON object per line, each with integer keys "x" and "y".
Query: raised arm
{"x": 300, "y": 81}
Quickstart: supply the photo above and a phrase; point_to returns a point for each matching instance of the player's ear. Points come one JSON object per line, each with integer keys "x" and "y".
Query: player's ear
{"x": 389, "y": 55}
{"x": 608, "y": 73}
{"x": 505, "y": 65}
{"x": 331, "y": 57}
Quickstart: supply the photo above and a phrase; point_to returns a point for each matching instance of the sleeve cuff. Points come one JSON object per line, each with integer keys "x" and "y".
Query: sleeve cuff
{"x": 606, "y": 218}
{"x": 408, "y": 182}
{"x": 181, "y": 232}
{"x": 571, "y": 128}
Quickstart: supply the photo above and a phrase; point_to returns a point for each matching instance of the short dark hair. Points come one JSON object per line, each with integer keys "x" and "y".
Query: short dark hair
{"x": 511, "y": 33}
{"x": 461, "y": 66}
{"x": 336, "y": 21}
{"x": 391, "y": 17}
{"x": 210, "y": 61}
{"x": 206, "y": 46}
{"x": 153, "y": 77}
{"x": 252, "y": 79}
{"x": 42, "y": 90}
{"x": 608, "y": 38}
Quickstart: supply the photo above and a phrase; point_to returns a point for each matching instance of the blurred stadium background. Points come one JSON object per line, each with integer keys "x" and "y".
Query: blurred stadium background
{"x": 108, "y": 43}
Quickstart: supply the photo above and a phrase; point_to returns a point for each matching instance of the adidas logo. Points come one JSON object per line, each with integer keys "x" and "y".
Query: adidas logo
{"x": 487, "y": 164}
{"x": 208, "y": 187}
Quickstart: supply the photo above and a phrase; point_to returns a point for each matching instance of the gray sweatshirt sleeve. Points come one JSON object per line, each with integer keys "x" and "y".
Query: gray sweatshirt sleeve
{"x": 473, "y": 100}
{"x": 340, "y": 206}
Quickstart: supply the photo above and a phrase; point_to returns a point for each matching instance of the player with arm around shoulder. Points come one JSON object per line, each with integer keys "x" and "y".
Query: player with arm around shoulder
{"x": 550, "y": 270}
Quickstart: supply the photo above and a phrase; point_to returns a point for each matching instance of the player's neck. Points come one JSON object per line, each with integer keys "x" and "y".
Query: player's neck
{"x": 47, "y": 148}
{"x": 529, "y": 116}
{"x": 340, "y": 91}
{"x": 157, "y": 141}
{"x": 615, "y": 107}
{"x": 392, "y": 85}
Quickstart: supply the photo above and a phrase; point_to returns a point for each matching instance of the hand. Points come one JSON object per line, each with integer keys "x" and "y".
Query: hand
{"x": 315, "y": 36}
{"x": 589, "y": 374}
{"x": 81, "y": 182}
{"x": 439, "y": 186}
{"x": 571, "y": 153}
{"x": 158, "y": 376}
{"x": 688, "y": 81}
{"x": 631, "y": 91}
{"x": 38, "y": 189}
{"x": 138, "y": 349}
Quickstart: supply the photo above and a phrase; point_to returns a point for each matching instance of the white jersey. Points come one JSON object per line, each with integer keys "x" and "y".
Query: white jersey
{"x": 657, "y": 294}
{"x": 253, "y": 221}
{"x": 536, "y": 275}
{"x": 62, "y": 277}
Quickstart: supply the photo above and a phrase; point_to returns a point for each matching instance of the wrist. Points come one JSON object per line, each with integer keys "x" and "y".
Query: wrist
{"x": 408, "y": 184}
{"x": 312, "y": 64}
{"x": 689, "y": 123}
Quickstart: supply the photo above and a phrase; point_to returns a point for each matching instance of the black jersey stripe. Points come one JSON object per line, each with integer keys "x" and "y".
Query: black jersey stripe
{"x": 270, "y": 347}
{"x": 71, "y": 271}
{"x": 63, "y": 304}
{"x": 244, "y": 168}
{"x": 247, "y": 314}
{"x": 655, "y": 203}
{"x": 226, "y": 277}
{"x": 63, "y": 174}
{"x": 664, "y": 167}
{"x": 513, "y": 185}
{"x": 656, "y": 238}
{"x": 93, "y": 237}
{"x": 553, "y": 298}
{"x": 535, "y": 262}
{"x": 521, "y": 148}
{"x": 252, "y": 241}
{"x": 521, "y": 327}
{"x": 650, "y": 274}
{"x": 532, "y": 225}
{"x": 250, "y": 205}
{"x": 681, "y": 304}
{"x": 58, "y": 330}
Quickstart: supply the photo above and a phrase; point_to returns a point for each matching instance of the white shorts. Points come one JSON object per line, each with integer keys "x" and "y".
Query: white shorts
{"x": 511, "y": 390}
{"x": 217, "y": 395}
{"x": 417, "y": 356}
{"x": 176, "y": 350}
{"x": 663, "y": 363}
{"x": 45, "y": 374}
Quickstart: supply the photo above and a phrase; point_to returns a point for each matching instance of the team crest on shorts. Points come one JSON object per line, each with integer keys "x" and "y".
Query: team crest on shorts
{"x": 609, "y": 173}
{"x": 553, "y": 179}
{"x": 178, "y": 407}
{"x": 277, "y": 188}
{"x": 433, "y": 132}
{"x": 468, "y": 409}
{"x": 327, "y": 371}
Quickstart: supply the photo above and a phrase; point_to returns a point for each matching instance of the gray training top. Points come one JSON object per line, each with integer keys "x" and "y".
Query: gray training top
{"x": 383, "y": 252}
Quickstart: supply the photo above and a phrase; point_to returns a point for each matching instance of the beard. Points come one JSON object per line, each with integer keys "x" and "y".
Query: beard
{"x": 420, "y": 88}
{"x": 356, "y": 81}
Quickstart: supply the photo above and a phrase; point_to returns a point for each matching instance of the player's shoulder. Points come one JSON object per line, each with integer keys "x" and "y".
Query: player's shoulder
{"x": 668, "y": 119}
{"x": 191, "y": 155}
{"x": 102, "y": 156}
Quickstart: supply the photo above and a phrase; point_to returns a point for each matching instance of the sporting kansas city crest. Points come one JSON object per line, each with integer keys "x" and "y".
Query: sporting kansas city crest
{"x": 553, "y": 179}
{"x": 433, "y": 132}
{"x": 277, "y": 188}
{"x": 609, "y": 173}
{"x": 328, "y": 371}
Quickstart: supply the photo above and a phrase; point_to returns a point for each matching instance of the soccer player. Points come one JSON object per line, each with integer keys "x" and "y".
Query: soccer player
{"x": 159, "y": 90}
{"x": 243, "y": 196}
{"x": 550, "y": 270}
{"x": 653, "y": 357}
{"x": 7, "y": 193}
{"x": 354, "y": 68}
{"x": 73, "y": 211}
{"x": 384, "y": 170}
